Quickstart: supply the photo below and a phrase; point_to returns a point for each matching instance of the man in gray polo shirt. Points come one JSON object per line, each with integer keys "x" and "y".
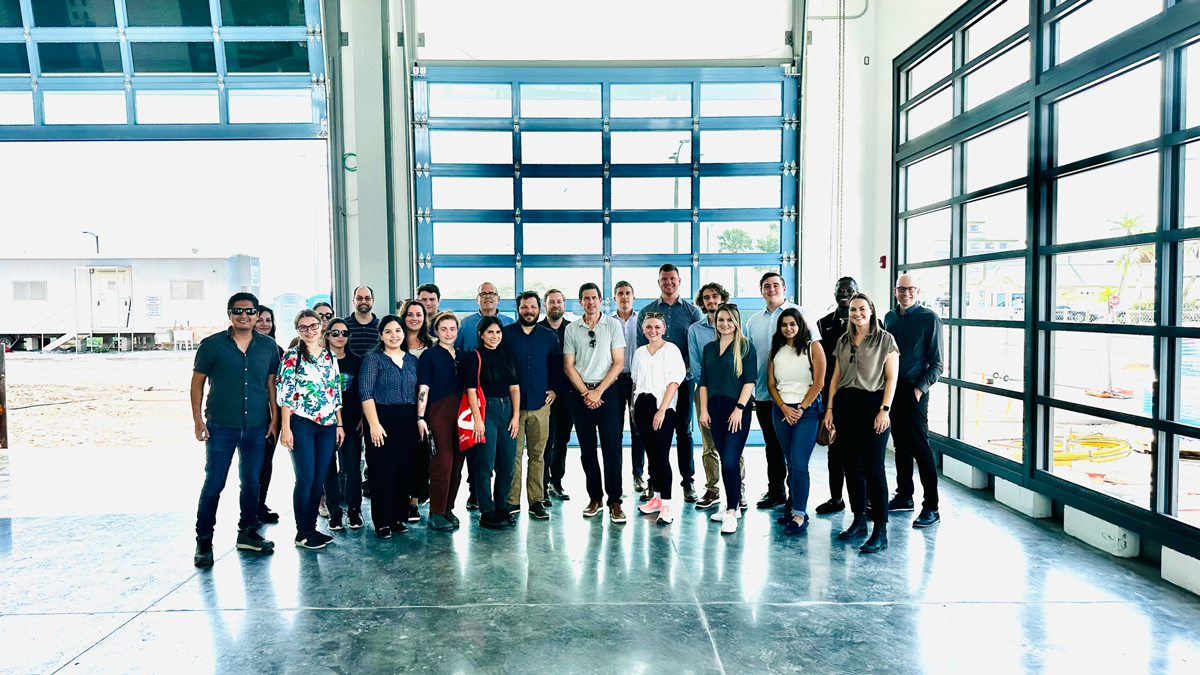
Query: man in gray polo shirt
{"x": 593, "y": 356}
{"x": 239, "y": 366}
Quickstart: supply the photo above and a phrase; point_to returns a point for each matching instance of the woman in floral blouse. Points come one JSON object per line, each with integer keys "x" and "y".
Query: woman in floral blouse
{"x": 309, "y": 393}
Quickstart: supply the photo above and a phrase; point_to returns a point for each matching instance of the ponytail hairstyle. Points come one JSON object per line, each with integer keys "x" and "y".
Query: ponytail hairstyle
{"x": 802, "y": 340}
{"x": 301, "y": 345}
{"x": 740, "y": 344}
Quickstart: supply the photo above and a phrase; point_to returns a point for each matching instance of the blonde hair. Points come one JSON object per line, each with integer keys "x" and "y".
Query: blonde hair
{"x": 740, "y": 344}
{"x": 874, "y": 328}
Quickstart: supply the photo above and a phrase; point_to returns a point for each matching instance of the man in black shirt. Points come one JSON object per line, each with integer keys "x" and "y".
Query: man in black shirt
{"x": 239, "y": 366}
{"x": 560, "y": 414}
{"x": 833, "y": 326}
{"x": 363, "y": 324}
{"x": 918, "y": 333}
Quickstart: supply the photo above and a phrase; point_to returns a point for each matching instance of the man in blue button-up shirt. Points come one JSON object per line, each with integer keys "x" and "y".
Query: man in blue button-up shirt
{"x": 488, "y": 298}
{"x": 679, "y": 315}
{"x": 538, "y": 358}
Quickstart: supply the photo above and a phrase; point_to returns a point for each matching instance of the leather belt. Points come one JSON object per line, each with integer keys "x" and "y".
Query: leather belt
{"x": 591, "y": 385}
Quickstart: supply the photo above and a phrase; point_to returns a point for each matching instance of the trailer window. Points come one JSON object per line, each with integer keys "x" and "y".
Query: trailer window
{"x": 30, "y": 290}
{"x": 187, "y": 290}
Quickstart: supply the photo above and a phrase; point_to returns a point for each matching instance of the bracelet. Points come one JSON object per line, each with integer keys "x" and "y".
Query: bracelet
{"x": 420, "y": 418}
{"x": 340, "y": 426}
{"x": 740, "y": 406}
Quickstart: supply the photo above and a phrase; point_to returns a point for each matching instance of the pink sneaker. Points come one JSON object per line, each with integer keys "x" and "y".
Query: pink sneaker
{"x": 665, "y": 517}
{"x": 653, "y": 506}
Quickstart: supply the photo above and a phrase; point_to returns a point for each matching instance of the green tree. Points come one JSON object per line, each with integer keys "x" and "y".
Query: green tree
{"x": 734, "y": 240}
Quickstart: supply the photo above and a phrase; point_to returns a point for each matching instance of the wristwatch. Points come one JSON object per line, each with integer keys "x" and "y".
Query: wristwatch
{"x": 420, "y": 418}
{"x": 741, "y": 406}
{"x": 885, "y": 408}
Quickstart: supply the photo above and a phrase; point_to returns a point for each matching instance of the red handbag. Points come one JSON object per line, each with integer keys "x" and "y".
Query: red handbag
{"x": 466, "y": 421}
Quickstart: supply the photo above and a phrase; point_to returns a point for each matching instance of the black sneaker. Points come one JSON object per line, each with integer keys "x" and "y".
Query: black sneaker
{"x": 927, "y": 519}
{"x": 537, "y": 510}
{"x": 335, "y": 522}
{"x": 562, "y": 494}
{"x": 399, "y": 528}
{"x": 770, "y": 501}
{"x": 551, "y": 491}
{"x": 383, "y": 532}
{"x": 321, "y": 537}
{"x": 514, "y": 508}
{"x": 354, "y": 516}
{"x": 546, "y": 503}
{"x": 452, "y": 518}
{"x": 204, "y": 552}
{"x": 310, "y": 542}
{"x": 251, "y": 540}
{"x": 689, "y": 493}
{"x": 900, "y": 504}
{"x": 414, "y": 513}
{"x": 831, "y": 506}
{"x": 494, "y": 520}
{"x": 472, "y": 505}
{"x": 266, "y": 515}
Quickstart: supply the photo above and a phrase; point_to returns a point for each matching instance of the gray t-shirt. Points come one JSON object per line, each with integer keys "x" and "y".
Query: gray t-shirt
{"x": 593, "y": 358}
{"x": 866, "y": 370}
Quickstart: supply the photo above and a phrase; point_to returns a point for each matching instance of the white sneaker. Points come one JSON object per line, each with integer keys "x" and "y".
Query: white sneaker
{"x": 719, "y": 516}
{"x": 652, "y": 506}
{"x": 730, "y": 525}
{"x": 323, "y": 510}
{"x": 665, "y": 517}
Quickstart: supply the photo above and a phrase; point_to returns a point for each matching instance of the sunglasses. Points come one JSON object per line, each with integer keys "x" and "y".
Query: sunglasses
{"x": 853, "y": 351}
{"x": 308, "y": 328}
{"x": 248, "y": 311}
{"x": 592, "y": 334}
{"x": 325, "y": 316}
{"x": 653, "y": 315}
{"x": 338, "y": 333}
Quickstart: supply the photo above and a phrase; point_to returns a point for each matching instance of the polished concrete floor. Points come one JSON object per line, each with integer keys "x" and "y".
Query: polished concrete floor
{"x": 96, "y": 577}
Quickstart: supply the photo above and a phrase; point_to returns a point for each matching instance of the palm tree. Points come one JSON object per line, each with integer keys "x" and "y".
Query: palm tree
{"x": 1132, "y": 258}
{"x": 734, "y": 240}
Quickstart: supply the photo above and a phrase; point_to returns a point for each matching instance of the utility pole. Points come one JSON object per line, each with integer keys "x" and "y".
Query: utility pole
{"x": 97, "y": 240}
{"x": 3, "y": 404}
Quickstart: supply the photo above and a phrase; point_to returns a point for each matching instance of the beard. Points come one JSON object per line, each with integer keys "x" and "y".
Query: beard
{"x": 363, "y": 308}
{"x": 527, "y": 322}
{"x": 555, "y": 314}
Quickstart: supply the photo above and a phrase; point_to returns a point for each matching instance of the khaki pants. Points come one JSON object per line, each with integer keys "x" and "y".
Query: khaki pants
{"x": 712, "y": 460}
{"x": 534, "y": 426}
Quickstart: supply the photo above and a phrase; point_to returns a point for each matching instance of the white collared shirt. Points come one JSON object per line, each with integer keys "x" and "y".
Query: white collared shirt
{"x": 652, "y": 373}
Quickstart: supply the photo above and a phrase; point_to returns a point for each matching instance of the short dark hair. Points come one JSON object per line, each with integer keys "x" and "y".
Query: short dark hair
{"x": 429, "y": 288}
{"x": 369, "y": 289}
{"x": 622, "y": 284}
{"x": 323, "y": 304}
{"x": 525, "y": 295}
{"x": 239, "y": 297}
{"x": 668, "y": 267}
{"x": 768, "y": 275}
{"x": 850, "y": 279}
{"x": 589, "y": 286}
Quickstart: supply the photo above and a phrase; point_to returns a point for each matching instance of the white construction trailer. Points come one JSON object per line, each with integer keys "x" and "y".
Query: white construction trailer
{"x": 117, "y": 303}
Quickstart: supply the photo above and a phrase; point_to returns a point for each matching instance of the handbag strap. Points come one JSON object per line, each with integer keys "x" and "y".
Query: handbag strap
{"x": 479, "y": 373}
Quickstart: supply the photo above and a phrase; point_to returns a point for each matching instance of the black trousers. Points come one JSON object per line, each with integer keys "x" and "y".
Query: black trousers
{"x": 344, "y": 478}
{"x": 556, "y": 443}
{"x": 837, "y": 468}
{"x": 606, "y": 421}
{"x": 637, "y": 451}
{"x": 910, "y": 429}
{"x": 391, "y": 463}
{"x": 268, "y": 466}
{"x": 776, "y": 466}
{"x": 657, "y": 442}
{"x": 854, "y": 412}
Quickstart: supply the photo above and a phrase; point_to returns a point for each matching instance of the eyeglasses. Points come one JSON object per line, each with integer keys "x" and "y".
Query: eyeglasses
{"x": 363, "y": 298}
{"x": 248, "y": 311}
{"x": 489, "y": 295}
{"x": 338, "y": 333}
{"x": 592, "y": 334}
{"x": 325, "y": 316}
{"x": 905, "y": 290}
{"x": 308, "y": 327}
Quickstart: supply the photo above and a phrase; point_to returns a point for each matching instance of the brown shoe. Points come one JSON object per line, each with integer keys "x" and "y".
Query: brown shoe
{"x": 710, "y": 499}
{"x": 594, "y": 507}
{"x": 616, "y": 514}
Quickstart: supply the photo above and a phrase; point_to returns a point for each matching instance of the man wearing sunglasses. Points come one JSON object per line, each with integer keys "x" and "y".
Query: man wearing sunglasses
{"x": 488, "y": 299}
{"x": 239, "y": 366}
{"x": 918, "y": 333}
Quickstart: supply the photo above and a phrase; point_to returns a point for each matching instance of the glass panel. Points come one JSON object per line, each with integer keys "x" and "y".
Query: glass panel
{"x": 167, "y": 13}
{"x": 84, "y": 107}
{"x": 1002, "y": 21}
{"x": 939, "y": 408}
{"x": 1116, "y": 113}
{"x": 14, "y": 58}
{"x": 1191, "y": 289}
{"x": 927, "y": 237}
{"x": 72, "y": 14}
{"x": 1108, "y": 285}
{"x": 566, "y": 279}
{"x": 1000, "y": 155}
{"x": 174, "y": 57}
{"x": 651, "y": 100}
{"x": 740, "y": 282}
{"x": 994, "y": 356}
{"x": 645, "y": 280}
{"x": 1187, "y": 506}
{"x": 927, "y": 181}
{"x": 262, "y": 12}
{"x": 721, "y": 237}
{"x": 1114, "y": 200}
{"x": 1189, "y": 384}
{"x": 560, "y": 100}
{"x": 741, "y": 192}
{"x": 563, "y": 238}
{"x": 756, "y": 99}
{"x": 177, "y": 107}
{"x": 267, "y": 106}
{"x": 999, "y": 221}
{"x": 1192, "y": 86}
{"x": 930, "y": 113}
{"x": 470, "y": 100}
{"x": 1104, "y": 370}
{"x": 562, "y": 193}
{"x": 933, "y": 68}
{"x": 639, "y": 238}
{"x": 995, "y": 290}
{"x": 561, "y": 147}
{"x": 16, "y": 107}
{"x": 266, "y": 57}
{"x": 934, "y": 294}
{"x": 651, "y": 147}
{"x": 473, "y": 239}
{"x": 992, "y": 423}
{"x": 652, "y": 193}
{"x": 759, "y": 145}
{"x": 998, "y": 75}
{"x": 1098, "y": 21}
{"x": 10, "y": 14}
{"x": 79, "y": 58}
{"x": 462, "y": 283}
{"x": 472, "y": 193}
{"x": 1191, "y": 184}
{"x": 1109, "y": 457}
{"x": 470, "y": 147}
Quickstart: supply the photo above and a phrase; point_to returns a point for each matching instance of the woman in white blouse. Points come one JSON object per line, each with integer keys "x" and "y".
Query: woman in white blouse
{"x": 656, "y": 371}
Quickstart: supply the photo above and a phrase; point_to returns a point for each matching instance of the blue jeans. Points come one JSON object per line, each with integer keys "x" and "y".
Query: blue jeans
{"x": 730, "y": 445}
{"x": 797, "y": 442}
{"x": 312, "y": 448}
{"x": 218, "y": 458}
{"x": 498, "y": 453}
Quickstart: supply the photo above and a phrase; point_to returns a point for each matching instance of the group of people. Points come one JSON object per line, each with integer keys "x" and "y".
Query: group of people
{"x": 425, "y": 394}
